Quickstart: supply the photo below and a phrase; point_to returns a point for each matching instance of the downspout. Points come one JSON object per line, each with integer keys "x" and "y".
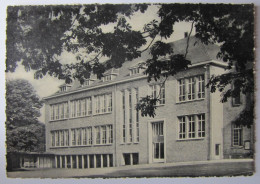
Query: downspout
{"x": 208, "y": 112}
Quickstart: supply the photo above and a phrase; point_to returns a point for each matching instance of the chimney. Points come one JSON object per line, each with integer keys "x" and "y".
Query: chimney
{"x": 185, "y": 34}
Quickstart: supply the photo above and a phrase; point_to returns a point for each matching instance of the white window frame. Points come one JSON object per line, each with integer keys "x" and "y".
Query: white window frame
{"x": 154, "y": 92}
{"x": 189, "y": 127}
{"x": 191, "y": 88}
{"x": 237, "y": 131}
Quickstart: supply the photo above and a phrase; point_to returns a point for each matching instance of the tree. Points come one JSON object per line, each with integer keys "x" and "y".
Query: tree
{"x": 38, "y": 35}
{"x": 23, "y": 131}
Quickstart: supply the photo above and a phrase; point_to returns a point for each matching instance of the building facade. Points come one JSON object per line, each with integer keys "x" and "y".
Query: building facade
{"x": 97, "y": 125}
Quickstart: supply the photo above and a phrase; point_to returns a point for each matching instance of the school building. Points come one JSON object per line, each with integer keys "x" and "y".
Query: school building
{"x": 96, "y": 124}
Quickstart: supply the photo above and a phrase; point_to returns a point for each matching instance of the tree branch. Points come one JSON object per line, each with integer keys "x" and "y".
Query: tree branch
{"x": 188, "y": 39}
{"x": 148, "y": 45}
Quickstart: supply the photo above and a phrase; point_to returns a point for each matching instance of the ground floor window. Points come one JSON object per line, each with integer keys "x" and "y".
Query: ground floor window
{"x": 237, "y": 135}
{"x": 84, "y": 161}
{"x": 131, "y": 158}
{"x": 192, "y": 126}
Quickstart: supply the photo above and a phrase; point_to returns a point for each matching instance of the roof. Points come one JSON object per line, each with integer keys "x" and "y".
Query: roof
{"x": 197, "y": 53}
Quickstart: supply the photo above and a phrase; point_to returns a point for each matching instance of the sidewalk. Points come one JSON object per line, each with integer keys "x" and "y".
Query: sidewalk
{"x": 205, "y": 168}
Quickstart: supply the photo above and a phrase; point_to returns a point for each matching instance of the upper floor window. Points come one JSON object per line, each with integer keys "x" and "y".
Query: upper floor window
{"x": 191, "y": 88}
{"x": 134, "y": 71}
{"x": 64, "y": 87}
{"x": 59, "y": 138}
{"x": 88, "y": 82}
{"x": 103, "y": 103}
{"x": 110, "y": 74}
{"x": 81, "y": 136}
{"x": 237, "y": 135}
{"x": 81, "y": 107}
{"x": 158, "y": 91}
{"x": 59, "y": 111}
{"x": 192, "y": 126}
{"x": 104, "y": 134}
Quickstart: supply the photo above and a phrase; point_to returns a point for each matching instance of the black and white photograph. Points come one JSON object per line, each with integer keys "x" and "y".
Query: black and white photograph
{"x": 134, "y": 90}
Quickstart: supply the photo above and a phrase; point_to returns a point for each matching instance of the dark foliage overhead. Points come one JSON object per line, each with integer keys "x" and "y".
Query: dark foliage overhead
{"x": 37, "y": 35}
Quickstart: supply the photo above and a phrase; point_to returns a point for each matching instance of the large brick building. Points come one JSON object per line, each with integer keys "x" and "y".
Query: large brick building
{"x": 97, "y": 125}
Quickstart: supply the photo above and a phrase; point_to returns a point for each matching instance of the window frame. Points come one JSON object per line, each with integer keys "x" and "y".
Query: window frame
{"x": 188, "y": 129}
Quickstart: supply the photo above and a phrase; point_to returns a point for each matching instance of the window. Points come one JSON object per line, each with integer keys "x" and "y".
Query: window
{"x": 192, "y": 126}
{"x": 134, "y": 71}
{"x": 88, "y": 82}
{"x": 201, "y": 125}
{"x": 97, "y": 134}
{"x": 109, "y": 77}
{"x": 182, "y": 128}
{"x": 103, "y": 103}
{"x": 195, "y": 88}
{"x": 201, "y": 87}
{"x": 73, "y": 137}
{"x": 104, "y": 134}
{"x": 181, "y": 90}
{"x": 137, "y": 117}
{"x": 110, "y": 129}
{"x": 237, "y": 135}
{"x": 155, "y": 90}
{"x": 80, "y": 108}
{"x": 59, "y": 138}
{"x": 64, "y": 87}
{"x": 89, "y": 135}
{"x": 59, "y": 111}
{"x": 130, "y": 117}
{"x": 191, "y": 88}
{"x": 236, "y": 101}
{"x": 78, "y": 136}
{"x": 124, "y": 120}
{"x": 191, "y": 132}
{"x": 81, "y": 136}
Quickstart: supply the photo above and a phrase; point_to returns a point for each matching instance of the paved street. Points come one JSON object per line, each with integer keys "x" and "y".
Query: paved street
{"x": 184, "y": 169}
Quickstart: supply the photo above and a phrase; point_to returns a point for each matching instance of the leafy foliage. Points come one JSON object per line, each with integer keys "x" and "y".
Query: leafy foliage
{"x": 22, "y": 103}
{"x": 37, "y": 35}
{"x": 26, "y": 138}
{"x": 23, "y": 131}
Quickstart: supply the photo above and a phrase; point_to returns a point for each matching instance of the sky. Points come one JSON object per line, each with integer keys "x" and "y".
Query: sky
{"x": 49, "y": 85}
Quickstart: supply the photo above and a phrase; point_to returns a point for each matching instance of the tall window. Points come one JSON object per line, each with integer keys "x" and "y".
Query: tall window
{"x": 59, "y": 111}
{"x": 191, "y": 88}
{"x": 97, "y": 134}
{"x": 182, "y": 90}
{"x": 201, "y": 87}
{"x": 182, "y": 128}
{"x": 104, "y": 134}
{"x": 192, "y": 126}
{"x": 158, "y": 91}
{"x": 53, "y": 138}
{"x": 195, "y": 88}
{"x": 89, "y": 135}
{"x": 78, "y": 135}
{"x": 124, "y": 120}
{"x": 201, "y": 125}
{"x": 110, "y": 129}
{"x": 103, "y": 103}
{"x": 73, "y": 137}
{"x": 130, "y": 118}
{"x": 137, "y": 118}
{"x": 191, "y": 132}
{"x": 237, "y": 135}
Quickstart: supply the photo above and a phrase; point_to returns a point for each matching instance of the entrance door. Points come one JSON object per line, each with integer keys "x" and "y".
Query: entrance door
{"x": 158, "y": 141}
